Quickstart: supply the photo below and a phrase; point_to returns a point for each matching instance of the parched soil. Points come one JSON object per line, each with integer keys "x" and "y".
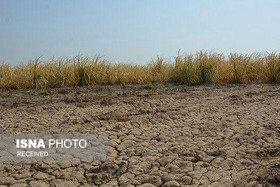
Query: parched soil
{"x": 170, "y": 135}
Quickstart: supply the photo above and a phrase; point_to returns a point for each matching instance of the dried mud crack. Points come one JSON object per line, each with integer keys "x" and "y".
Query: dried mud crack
{"x": 171, "y": 135}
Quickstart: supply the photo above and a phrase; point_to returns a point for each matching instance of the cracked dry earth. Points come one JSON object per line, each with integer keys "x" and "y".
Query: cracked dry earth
{"x": 171, "y": 135}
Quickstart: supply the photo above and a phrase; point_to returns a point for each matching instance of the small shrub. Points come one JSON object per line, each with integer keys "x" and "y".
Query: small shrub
{"x": 149, "y": 86}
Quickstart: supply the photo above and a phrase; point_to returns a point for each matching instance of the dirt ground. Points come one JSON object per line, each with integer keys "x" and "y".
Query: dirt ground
{"x": 169, "y": 135}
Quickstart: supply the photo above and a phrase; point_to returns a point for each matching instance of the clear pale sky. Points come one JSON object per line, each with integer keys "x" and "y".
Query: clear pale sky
{"x": 135, "y": 30}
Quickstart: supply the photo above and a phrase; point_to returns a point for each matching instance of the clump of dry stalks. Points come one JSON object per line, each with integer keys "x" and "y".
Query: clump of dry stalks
{"x": 201, "y": 68}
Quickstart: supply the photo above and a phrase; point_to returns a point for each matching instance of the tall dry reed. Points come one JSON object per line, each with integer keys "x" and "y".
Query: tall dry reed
{"x": 201, "y": 68}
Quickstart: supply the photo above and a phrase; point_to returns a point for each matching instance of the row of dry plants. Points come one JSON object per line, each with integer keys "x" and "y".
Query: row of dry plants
{"x": 201, "y": 68}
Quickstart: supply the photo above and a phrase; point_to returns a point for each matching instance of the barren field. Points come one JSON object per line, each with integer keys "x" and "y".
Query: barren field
{"x": 169, "y": 135}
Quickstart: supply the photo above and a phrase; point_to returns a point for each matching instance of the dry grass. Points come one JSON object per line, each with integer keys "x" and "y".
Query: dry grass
{"x": 202, "y": 68}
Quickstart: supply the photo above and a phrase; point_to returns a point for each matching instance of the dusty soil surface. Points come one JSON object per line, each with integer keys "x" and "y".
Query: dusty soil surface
{"x": 170, "y": 135}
